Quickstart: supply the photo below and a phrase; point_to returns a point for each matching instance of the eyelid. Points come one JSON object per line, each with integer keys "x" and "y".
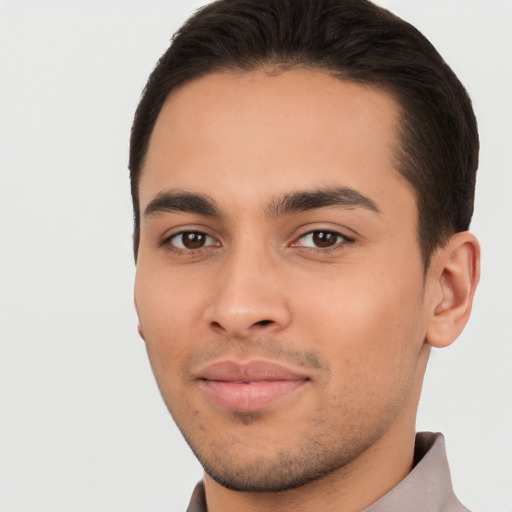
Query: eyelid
{"x": 177, "y": 235}
{"x": 346, "y": 239}
{"x": 167, "y": 238}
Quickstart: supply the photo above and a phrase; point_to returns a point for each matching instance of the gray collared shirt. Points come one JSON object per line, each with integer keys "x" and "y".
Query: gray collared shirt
{"x": 427, "y": 488}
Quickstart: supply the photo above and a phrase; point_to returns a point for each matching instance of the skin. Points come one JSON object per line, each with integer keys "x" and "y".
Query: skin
{"x": 356, "y": 315}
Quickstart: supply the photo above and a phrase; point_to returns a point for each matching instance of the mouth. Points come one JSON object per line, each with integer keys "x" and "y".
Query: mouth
{"x": 249, "y": 386}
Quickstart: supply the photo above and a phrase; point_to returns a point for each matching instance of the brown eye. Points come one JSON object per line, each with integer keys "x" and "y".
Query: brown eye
{"x": 190, "y": 240}
{"x": 325, "y": 238}
{"x": 193, "y": 240}
{"x": 321, "y": 239}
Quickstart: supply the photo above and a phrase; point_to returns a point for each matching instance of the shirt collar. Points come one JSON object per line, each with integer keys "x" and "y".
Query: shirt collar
{"x": 427, "y": 488}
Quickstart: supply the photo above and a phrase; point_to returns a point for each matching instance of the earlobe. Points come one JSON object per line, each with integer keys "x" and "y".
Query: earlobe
{"x": 139, "y": 325}
{"x": 140, "y": 331}
{"x": 455, "y": 272}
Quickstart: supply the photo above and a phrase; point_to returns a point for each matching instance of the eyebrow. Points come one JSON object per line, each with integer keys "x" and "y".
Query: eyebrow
{"x": 189, "y": 202}
{"x": 312, "y": 199}
{"x": 186, "y": 202}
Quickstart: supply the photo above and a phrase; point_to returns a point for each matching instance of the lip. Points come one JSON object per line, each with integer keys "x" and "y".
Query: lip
{"x": 249, "y": 386}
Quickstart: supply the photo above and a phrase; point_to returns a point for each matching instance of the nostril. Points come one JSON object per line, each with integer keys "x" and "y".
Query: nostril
{"x": 262, "y": 323}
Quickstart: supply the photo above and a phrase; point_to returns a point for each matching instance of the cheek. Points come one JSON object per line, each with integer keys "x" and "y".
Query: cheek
{"x": 367, "y": 325}
{"x": 168, "y": 308}
{"x": 165, "y": 308}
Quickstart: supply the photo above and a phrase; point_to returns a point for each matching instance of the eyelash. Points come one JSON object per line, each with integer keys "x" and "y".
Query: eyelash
{"x": 345, "y": 240}
{"x": 167, "y": 243}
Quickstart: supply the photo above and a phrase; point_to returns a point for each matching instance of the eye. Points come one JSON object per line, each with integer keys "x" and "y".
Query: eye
{"x": 321, "y": 239}
{"x": 190, "y": 240}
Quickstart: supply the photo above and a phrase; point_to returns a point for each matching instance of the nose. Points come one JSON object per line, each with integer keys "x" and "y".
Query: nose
{"x": 249, "y": 297}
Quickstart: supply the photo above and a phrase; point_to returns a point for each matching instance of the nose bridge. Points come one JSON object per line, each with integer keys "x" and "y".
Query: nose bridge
{"x": 248, "y": 293}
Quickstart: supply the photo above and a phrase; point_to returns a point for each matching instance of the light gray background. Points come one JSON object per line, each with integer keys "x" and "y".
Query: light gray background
{"x": 82, "y": 426}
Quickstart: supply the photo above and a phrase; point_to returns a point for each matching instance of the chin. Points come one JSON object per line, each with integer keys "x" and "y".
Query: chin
{"x": 265, "y": 470}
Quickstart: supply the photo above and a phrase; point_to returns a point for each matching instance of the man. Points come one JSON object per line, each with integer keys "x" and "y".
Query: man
{"x": 303, "y": 175}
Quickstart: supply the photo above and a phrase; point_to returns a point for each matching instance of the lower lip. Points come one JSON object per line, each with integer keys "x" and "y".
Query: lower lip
{"x": 249, "y": 396}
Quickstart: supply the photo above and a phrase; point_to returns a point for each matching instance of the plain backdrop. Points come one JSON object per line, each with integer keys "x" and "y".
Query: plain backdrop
{"x": 82, "y": 426}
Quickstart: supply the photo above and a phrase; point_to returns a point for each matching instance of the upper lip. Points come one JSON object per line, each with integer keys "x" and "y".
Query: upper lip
{"x": 248, "y": 371}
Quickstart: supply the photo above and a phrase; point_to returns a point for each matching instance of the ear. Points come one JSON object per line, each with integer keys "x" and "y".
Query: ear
{"x": 454, "y": 273}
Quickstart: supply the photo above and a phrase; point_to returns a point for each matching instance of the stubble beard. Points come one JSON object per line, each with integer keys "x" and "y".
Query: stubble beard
{"x": 312, "y": 458}
{"x": 336, "y": 435}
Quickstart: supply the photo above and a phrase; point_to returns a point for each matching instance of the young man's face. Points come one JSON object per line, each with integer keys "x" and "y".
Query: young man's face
{"x": 280, "y": 285}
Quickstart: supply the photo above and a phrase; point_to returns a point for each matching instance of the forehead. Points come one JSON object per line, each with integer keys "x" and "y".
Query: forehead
{"x": 263, "y": 133}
